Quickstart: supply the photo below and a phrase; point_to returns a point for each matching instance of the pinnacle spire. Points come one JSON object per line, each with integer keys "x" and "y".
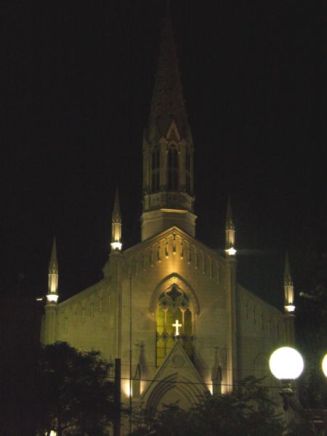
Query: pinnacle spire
{"x": 53, "y": 275}
{"x": 53, "y": 264}
{"x": 167, "y": 100}
{"x": 229, "y": 215}
{"x": 288, "y": 287}
{"x": 116, "y": 225}
{"x": 287, "y": 270}
{"x": 229, "y": 231}
{"x": 116, "y": 215}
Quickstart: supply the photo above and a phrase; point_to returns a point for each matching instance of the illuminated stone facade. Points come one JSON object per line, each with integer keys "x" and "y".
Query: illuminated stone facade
{"x": 226, "y": 332}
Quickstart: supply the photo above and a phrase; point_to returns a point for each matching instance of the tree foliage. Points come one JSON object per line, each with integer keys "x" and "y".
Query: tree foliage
{"x": 245, "y": 412}
{"x": 75, "y": 396}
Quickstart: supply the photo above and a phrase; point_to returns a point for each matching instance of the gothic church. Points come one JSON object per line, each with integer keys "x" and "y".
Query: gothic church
{"x": 170, "y": 307}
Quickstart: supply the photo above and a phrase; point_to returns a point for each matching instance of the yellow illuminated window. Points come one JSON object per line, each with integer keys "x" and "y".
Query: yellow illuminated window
{"x": 173, "y": 305}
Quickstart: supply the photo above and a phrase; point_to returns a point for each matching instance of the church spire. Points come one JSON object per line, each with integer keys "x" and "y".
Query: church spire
{"x": 167, "y": 148}
{"x": 53, "y": 275}
{"x": 229, "y": 231}
{"x": 167, "y": 103}
{"x": 288, "y": 287}
{"x": 116, "y": 225}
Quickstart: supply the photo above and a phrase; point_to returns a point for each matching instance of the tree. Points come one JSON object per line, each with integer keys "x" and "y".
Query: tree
{"x": 248, "y": 410}
{"x": 75, "y": 396}
{"x": 245, "y": 412}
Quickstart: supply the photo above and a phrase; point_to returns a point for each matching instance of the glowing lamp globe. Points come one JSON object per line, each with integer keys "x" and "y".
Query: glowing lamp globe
{"x": 286, "y": 363}
{"x": 324, "y": 365}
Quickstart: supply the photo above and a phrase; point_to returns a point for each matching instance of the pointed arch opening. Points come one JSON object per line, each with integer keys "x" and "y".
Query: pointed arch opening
{"x": 172, "y": 388}
{"x": 174, "y": 317}
{"x": 172, "y": 169}
{"x": 155, "y": 170}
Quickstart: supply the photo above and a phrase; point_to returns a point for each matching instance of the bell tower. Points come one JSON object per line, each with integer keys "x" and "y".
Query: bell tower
{"x": 167, "y": 149}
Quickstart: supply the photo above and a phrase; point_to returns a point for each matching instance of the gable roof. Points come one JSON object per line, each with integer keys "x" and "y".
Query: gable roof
{"x": 168, "y": 232}
{"x": 179, "y": 374}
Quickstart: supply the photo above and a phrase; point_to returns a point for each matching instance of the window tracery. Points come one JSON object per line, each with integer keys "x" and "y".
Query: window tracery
{"x": 173, "y": 304}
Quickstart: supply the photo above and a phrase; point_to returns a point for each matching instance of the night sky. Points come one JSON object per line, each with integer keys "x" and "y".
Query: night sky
{"x": 76, "y": 84}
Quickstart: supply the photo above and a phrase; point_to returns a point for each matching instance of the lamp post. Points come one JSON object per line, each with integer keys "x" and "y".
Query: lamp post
{"x": 286, "y": 364}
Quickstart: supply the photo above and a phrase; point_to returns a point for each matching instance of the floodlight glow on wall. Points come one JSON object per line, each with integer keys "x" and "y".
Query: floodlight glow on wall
{"x": 52, "y": 298}
{"x": 116, "y": 246}
{"x": 231, "y": 251}
{"x": 290, "y": 308}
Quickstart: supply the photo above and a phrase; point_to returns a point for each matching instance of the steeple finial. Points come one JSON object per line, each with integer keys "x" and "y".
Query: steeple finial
{"x": 116, "y": 225}
{"x": 288, "y": 287}
{"x": 53, "y": 275}
{"x": 229, "y": 231}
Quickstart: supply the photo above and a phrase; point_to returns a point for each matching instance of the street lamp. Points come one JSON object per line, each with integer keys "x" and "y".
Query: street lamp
{"x": 286, "y": 364}
{"x": 324, "y": 365}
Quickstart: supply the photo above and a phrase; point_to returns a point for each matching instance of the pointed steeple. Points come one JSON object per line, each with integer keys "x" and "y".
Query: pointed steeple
{"x": 116, "y": 225}
{"x": 167, "y": 148}
{"x": 167, "y": 99}
{"x": 53, "y": 275}
{"x": 116, "y": 215}
{"x": 288, "y": 287}
{"x": 229, "y": 231}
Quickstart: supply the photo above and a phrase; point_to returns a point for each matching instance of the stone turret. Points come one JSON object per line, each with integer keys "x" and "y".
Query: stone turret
{"x": 289, "y": 306}
{"x": 53, "y": 276}
{"x": 116, "y": 226}
{"x": 230, "y": 249}
{"x": 50, "y": 320}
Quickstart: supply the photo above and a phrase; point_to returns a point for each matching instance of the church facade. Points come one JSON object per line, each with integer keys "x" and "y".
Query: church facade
{"x": 170, "y": 307}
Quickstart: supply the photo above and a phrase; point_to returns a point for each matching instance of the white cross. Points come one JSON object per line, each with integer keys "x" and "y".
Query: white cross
{"x": 177, "y": 325}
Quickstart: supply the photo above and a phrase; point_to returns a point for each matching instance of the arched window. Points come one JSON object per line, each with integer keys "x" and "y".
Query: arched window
{"x": 172, "y": 175}
{"x": 173, "y": 305}
{"x": 155, "y": 170}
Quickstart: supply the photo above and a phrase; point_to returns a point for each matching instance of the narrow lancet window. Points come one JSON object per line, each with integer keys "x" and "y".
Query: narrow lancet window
{"x": 172, "y": 169}
{"x": 155, "y": 170}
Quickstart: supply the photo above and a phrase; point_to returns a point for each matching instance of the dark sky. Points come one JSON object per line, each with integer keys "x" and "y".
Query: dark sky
{"x": 76, "y": 81}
